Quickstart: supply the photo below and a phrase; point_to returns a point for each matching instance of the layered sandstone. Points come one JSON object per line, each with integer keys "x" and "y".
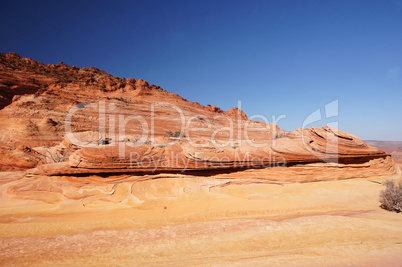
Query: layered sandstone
{"x": 98, "y": 170}
{"x": 52, "y": 112}
{"x": 178, "y": 219}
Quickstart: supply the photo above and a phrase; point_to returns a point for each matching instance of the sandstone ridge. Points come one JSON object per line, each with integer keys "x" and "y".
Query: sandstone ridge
{"x": 98, "y": 170}
{"x": 58, "y": 119}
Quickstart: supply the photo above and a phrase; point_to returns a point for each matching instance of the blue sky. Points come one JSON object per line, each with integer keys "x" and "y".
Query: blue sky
{"x": 277, "y": 57}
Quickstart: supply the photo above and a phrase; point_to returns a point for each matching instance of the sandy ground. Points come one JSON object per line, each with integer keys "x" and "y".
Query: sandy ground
{"x": 181, "y": 220}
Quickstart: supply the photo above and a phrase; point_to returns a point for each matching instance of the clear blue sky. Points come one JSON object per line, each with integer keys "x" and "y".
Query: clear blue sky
{"x": 277, "y": 57}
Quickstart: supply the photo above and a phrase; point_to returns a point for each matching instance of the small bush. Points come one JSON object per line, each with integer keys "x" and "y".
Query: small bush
{"x": 175, "y": 134}
{"x": 56, "y": 156}
{"x": 391, "y": 197}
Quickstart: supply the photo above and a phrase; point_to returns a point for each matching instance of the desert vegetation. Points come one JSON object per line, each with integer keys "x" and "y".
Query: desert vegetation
{"x": 56, "y": 155}
{"x": 176, "y": 134}
{"x": 391, "y": 196}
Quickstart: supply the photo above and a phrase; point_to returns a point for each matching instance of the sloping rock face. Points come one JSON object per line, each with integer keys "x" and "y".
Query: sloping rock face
{"x": 117, "y": 170}
{"x": 69, "y": 120}
{"x": 178, "y": 155}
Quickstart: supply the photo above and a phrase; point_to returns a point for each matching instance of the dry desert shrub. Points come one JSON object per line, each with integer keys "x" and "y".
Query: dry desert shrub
{"x": 391, "y": 197}
{"x": 52, "y": 155}
{"x": 175, "y": 134}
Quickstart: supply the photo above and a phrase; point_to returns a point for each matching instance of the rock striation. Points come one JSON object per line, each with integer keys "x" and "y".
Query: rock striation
{"x": 57, "y": 119}
{"x": 95, "y": 169}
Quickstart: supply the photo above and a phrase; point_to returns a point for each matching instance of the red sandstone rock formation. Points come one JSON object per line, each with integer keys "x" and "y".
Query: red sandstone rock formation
{"x": 66, "y": 120}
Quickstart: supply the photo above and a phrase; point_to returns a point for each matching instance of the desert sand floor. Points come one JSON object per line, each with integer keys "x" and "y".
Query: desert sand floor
{"x": 181, "y": 221}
